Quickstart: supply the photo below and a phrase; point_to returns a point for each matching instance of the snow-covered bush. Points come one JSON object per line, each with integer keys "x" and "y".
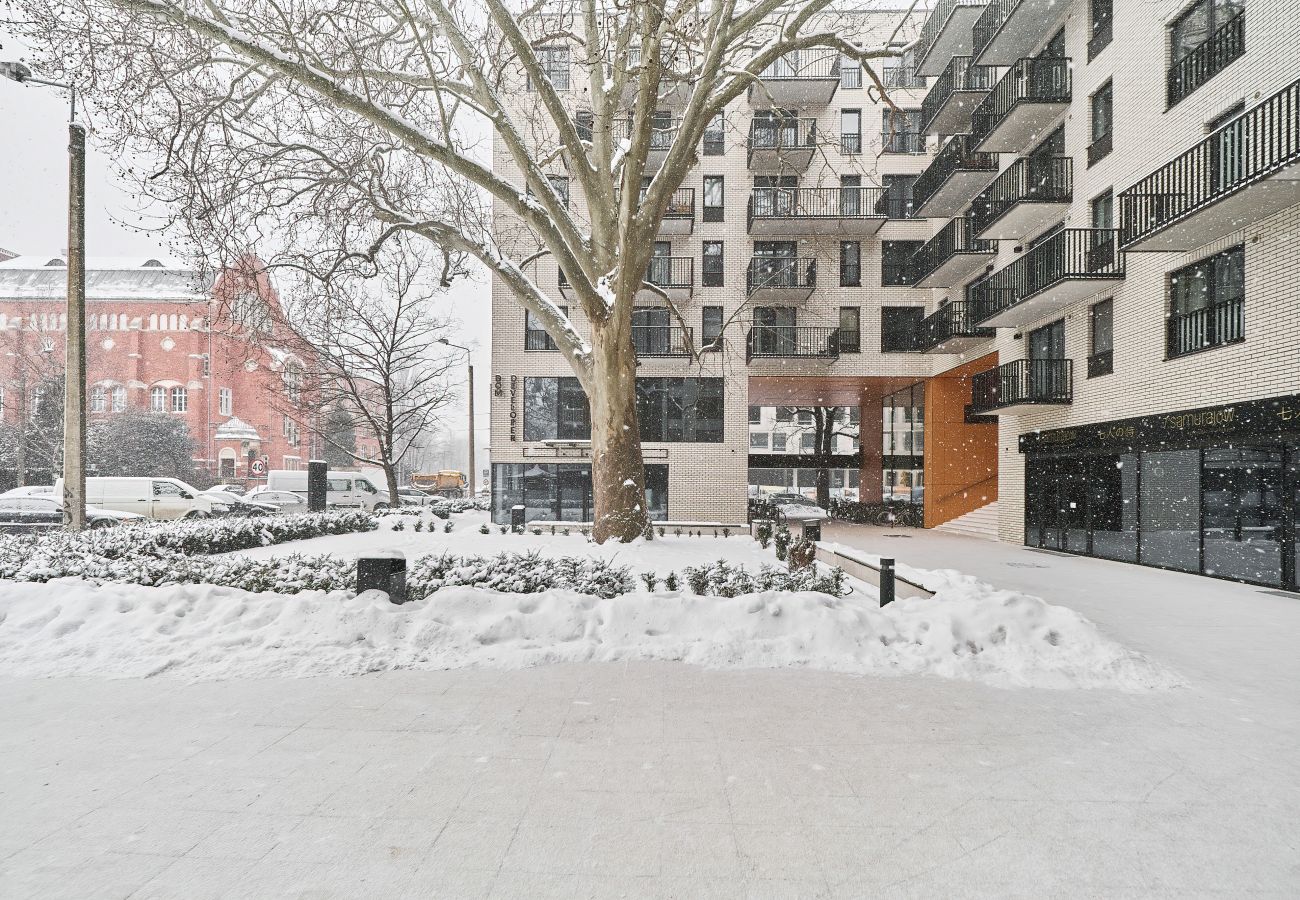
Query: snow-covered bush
{"x": 518, "y": 573}
{"x": 721, "y": 579}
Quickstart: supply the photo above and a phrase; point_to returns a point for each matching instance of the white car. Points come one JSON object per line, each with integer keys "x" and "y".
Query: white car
{"x": 284, "y": 501}
{"x": 797, "y": 508}
{"x": 28, "y": 515}
{"x": 30, "y": 490}
{"x": 415, "y": 497}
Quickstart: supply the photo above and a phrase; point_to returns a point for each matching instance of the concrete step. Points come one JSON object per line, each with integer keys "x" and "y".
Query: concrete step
{"x": 981, "y": 523}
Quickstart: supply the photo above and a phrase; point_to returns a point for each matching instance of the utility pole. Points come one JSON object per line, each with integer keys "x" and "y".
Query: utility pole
{"x": 473, "y": 476}
{"x": 74, "y": 379}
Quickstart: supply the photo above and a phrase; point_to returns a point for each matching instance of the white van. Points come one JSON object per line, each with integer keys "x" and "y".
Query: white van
{"x": 353, "y": 490}
{"x": 153, "y": 498}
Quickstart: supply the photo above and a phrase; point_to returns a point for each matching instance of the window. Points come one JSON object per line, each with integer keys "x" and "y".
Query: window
{"x": 554, "y": 63}
{"x": 206, "y": 365}
{"x": 560, "y": 184}
{"x": 1101, "y": 327}
{"x": 685, "y": 410}
{"x": 555, "y": 409}
{"x": 895, "y": 259}
{"x": 158, "y": 399}
{"x": 898, "y": 328}
{"x": 755, "y": 415}
{"x": 851, "y": 131}
{"x": 711, "y": 327}
{"x": 898, "y": 195}
{"x": 535, "y": 336}
{"x": 715, "y": 135}
{"x": 225, "y": 402}
{"x": 98, "y": 399}
{"x": 713, "y": 198}
{"x": 804, "y": 417}
{"x": 778, "y": 442}
{"x": 808, "y": 442}
{"x": 901, "y": 131}
{"x": 289, "y": 428}
{"x": 850, "y": 329}
{"x": 1103, "y": 211}
{"x": 119, "y": 398}
{"x": 1207, "y": 303}
{"x": 785, "y": 413}
{"x": 850, "y": 263}
{"x": 584, "y": 120}
{"x": 758, "y": 441}
{"x": 711, "y": 269}
{"x": 1102, "y": 124}
{"x": 1203, "y": 41}
{"x": 850, "y": 74}
{"x": 1102, "y": 18}
{"x": 180, "y": 400}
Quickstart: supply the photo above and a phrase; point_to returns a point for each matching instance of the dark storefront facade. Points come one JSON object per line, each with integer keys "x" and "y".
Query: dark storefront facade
{"x": 561, "y": 492}
{"x": 1212, "y": 491}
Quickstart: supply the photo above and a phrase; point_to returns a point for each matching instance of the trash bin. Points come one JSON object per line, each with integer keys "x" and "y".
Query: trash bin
{"x": 517, "y": 518}
{"x": 385, "y": 571}
{"x": 812, "y": 531}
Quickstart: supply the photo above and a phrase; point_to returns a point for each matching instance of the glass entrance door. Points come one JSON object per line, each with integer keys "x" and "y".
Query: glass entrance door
{"x": 1241, "y": 514}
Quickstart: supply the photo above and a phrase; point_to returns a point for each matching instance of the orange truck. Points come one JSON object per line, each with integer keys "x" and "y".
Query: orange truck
{"x": 448, "y": 483}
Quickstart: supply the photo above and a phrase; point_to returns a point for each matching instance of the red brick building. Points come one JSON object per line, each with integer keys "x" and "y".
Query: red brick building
{"x": 164, "y": 338}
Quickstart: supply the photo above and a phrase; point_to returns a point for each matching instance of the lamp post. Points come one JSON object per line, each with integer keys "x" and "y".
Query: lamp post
{"x": 74, "y": 378}
{"x": 473, "y": 475}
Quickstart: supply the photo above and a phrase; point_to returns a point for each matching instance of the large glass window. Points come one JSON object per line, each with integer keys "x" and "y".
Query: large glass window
{"x": 895, "y": 261}
{"x": 554, "y": 63}
{"x": 714, "y": 198}
{"x": 901, "y": 131}
{"x": 1103, "y": 17}
{"x": 535, "y": 336}
{"x": 1103, "y": 123}
{"x": 711, "y": 265}
{"x": 711, "y": 322}
{"x": 850, "y": 263}
{"x": 851, "y": 131}
{"x": 562, "y": 492}
{"x": 715, "y": 136}
{"x": 903, "y": 433}
{"x": 1207, "y": 303}
{"x": 899, "y": 326}
{"x": 1170, "y": 509}
{"x": 1242, "y": 514}
{"x": 680, "y": 409}
{"x": 1101, "y": 326}
{"x": 555, "y": 409}
{"x": 850, "y": 329}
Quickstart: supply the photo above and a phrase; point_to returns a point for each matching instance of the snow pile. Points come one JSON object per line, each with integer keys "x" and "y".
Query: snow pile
{"x": 967, "y": 631}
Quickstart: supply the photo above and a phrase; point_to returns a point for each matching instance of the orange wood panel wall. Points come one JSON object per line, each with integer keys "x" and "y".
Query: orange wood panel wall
{"x": 961, "y": 460}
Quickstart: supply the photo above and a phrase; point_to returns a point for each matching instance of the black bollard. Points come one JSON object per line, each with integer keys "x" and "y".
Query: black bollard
{"x": 317, "y": 485}
{"x": 812, "y": 531}
{"x": 383, "y": 572}
{"x": 886, "y": 581}
{"x": 517, "y": 518}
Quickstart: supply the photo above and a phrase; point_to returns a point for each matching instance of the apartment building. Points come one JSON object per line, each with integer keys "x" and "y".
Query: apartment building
{"x": 1068, "y": 268}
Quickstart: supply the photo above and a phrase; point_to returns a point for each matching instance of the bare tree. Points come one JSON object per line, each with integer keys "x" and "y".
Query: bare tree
{"x": 365, "y": 350}
{"x": 329, "y": 129}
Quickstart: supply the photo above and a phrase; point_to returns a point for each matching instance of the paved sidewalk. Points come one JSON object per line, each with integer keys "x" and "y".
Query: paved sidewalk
{"x": 662, "y": 780}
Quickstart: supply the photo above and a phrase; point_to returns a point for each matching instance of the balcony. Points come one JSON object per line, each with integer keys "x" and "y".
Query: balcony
{"x": 1224, "y": 46}
{"x": 1029, "y": 196}
{"x": 1069, "y": 266}
{"x": 674, "y": 275}
{"x": 772, "y": 280}
{"x": 1023, "y": 385}
{"x": 947, "y": 32}
{"x": 781, "y": 145}
{"x": 1211, "y": 326}
{"x": 1009, "y": 30}
{"x": 663, "y": 131}
{"x": 674, "y": 91}
{"x": 661, "y": 340}
{"x": 792, "y": 342}
{"x": 1024, "y": 106}
{"x": 951, "y": 329}
{"x": 795, "y": 212}
{"x": 952, "y": 99}
{"x": 952, "y": 257}
{"x": 679, "y": 217}
{"x": 1245, "y": 171}
{"x": 798, "y": 80}
{"x": 953, "y": 179}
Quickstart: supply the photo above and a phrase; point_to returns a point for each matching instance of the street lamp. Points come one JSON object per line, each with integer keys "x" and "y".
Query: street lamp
{"x": 74, "y": 377}
{"x": 473, "y": 476}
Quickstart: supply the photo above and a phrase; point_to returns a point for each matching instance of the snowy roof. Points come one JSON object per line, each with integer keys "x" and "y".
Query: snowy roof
{"x": 235, "y": 429}
{"x": 107, "y": 278}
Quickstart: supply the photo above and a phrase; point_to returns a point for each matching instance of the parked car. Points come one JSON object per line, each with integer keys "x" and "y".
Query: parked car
{"x": 798, "y": 508}
{"x": 26, "y": 515}
{"x": 411, "y": 496}
{"x": 344, "y": 489}
{"x": 30, "y": 490}
{"x": 152, "y": 498}
{"x": 282, "y": 501}
{"x": 225, "y": 503}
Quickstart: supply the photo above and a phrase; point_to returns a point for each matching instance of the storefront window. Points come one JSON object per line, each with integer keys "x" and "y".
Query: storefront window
{"x": 903, "y": 414}
{"x": 1242, "y": 518}
{"x": 562, "y": 492}
{"x": 1170, "y": 495}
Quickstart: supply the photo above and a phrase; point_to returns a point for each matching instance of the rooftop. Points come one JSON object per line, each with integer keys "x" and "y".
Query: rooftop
{"x": 107, "y": 278}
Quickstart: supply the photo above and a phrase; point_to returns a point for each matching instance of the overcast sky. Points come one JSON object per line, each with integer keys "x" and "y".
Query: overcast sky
{"x": 33, "y": 219}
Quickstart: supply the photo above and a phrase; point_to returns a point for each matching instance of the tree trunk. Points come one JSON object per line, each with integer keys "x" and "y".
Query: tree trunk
{"x": 617, "y": 472}
{"x": 390, "y": 472}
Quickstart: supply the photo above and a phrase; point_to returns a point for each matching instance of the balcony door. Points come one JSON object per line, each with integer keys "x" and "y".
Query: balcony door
{"x": 659, "y": 272}
{"x": 1045, "y": 172}
{"x": 774, "y": 329}
{"x": 850, "y": 195}
{"x": 775, "y": 263}
{"x": 774, "y": 194}
{"x": 651, "y": 330}
{"x": 775, "y": 128}
{"x": 1046, "y": 351}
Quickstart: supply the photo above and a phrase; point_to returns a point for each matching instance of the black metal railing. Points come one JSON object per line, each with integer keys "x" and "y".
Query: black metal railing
{"x": 958, "y": 236}
{"x": 1218, "y": 323}
{"x": 1021, "y": 381}
{"x": 537, "y": 339}
{"x": 934, "y": 24}
{"x": 896, "y": 206}
{"x": 809, "y": 64}
{"x": 1027, "y": 180}
{"x": 671, "y": 272}
{"x": 780, "y": 273}
{"x": 947, "y": 322}
{"x": 902, "y": 142}
{"x": 1257, "y": 143}
{"x": 1226, "y": 44}
{"x": 1034, "y": 80}
{"x": 661, "y": 340}
{"x": 959, "y": 75}
{"x": 814, "y": 203}
{"x": 681, "y": 205}
{"x": 900, "y": 76}
{"x": 1100, "y": 148}
{"x": 1072, "y": 253}
{"x": 956, "y": 156}
{"x": 1102, "y": 363}
{"x": 782, "y": 134}
{"x": 792, "y": 341}
{"x": 663, "y": 131}
{"x": 989, "y": 23}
